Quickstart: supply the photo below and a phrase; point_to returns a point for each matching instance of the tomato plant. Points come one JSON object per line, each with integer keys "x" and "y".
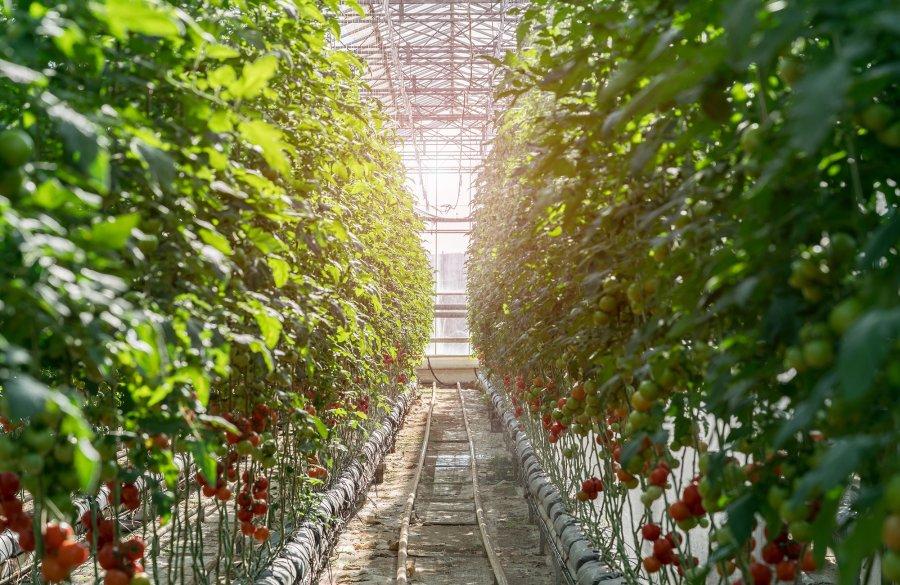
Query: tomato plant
{"x": 684, "y": 268}
{"x": 207, "y": 250}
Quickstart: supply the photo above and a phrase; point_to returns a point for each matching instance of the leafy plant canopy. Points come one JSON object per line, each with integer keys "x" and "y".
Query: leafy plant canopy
{"x": 209, "y": 264}
{"x": 685, "y": 266}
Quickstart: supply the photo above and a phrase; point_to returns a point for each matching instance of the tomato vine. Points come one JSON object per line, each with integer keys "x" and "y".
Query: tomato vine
{"x": 206, "y": 251}
{"x": 685, "y": 267}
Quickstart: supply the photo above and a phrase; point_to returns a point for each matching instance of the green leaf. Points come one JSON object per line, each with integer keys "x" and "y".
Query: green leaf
{"x": 280, "y": 270}
{"x": 217, "y": 51}
{"x": 25, "y": 396}
{"x": 864, "y": 348}
{"x": 139, "y": 16}
{"x": 197, "y": 379}
{"x": 740, "y": 516}
{"x": 220, "y": 122}
{"x": 819, "y": 97}
{"x": 254, "y": 77}
{"x": 881, "y": 241}
{"x": 160, "y": 164}
{"x": 355, "y": 7}
{"x": 269, "y": 140}
{"x": 85, "y": 147}
{"x": 320, "y": 427}
{"x": 52, "y": 194}
{"x": 221, "y": 77}
{"x": 263, "y": 240}
{"x": 114, "y": 232}
{"x": 216, "y": 240}
{"x": 841, "y": 459}
{"x": 205, "y": 460}
{"x": 86, "y": 462}
{"x": 269, "y": 325}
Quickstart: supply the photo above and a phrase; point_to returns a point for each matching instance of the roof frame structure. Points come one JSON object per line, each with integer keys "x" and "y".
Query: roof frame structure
{"x": 426, "y": 64}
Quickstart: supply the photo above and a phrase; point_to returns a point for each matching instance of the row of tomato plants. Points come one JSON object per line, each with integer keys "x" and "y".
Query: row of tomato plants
{"x": 210, "y": 270}
{"x": 684, "y": 267}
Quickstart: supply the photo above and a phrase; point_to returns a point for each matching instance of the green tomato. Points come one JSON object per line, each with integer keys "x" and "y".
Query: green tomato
{"x": 818, "y": 353}
{"x": 877, "y": 117}
{"x": 651, "y": 494}
{"x": 790, "y": 70}
{"x": 703, "y": 463}
{"x": 793, "y": 359}
{"x": 790, "y": 513}
{"x": 11, "y": 182}
{"x": 64, "y": 453}
{"x": 801, "y": 530}
{"x": 804, "y": 270}
{"x": 16, "y": 147}
{"x": 776, "y": 497}
{"x": 244, "y": 448}
{"x": 8, "y": 449}
{"x": 638, "y": 420}
{"x": 751, "y": 138}
{"x": 649, "y": 390}
{"x": 608, "y": 304}
{"x": 844, "y": 314}
{"x": 843, "y": 246}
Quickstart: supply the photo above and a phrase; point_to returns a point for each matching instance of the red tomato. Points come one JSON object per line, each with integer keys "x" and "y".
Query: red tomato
{"x": 786, "y": 570}
{"x": 55, "y": 534}
{"x": 652, "y": 564}
{"x": 651, "y": 532}
{"x": 52, "y": 570}
{"x": 116, "y": 577}
{"x": 679, "y": 511}
{"x": 761, "y": 574}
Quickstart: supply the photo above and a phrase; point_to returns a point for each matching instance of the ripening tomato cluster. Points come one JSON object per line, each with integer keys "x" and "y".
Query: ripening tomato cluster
{"x": 650, "y": 469}
{"x": 128, "y": 493}
{"x": 252, "y": 438}
{"x": 253, "y": 503}
{"x": 14, "y": 516}
{"x": 122, "y": 560}
{"x": 687, "y": 511}
{"x": 62, "y": 554}
{"x": 590, "y": 489}
{"x": 665, "y": 550}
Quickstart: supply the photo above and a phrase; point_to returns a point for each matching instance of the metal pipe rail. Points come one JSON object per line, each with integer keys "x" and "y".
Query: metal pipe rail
{"x": 403, "y": 543}
{"x": 496, "y": 567}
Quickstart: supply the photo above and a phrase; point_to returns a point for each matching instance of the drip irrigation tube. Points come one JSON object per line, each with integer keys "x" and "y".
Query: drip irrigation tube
{"x": 306, "y": 553}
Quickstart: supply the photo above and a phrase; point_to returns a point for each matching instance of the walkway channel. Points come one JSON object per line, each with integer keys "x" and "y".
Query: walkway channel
{"x": 443, "y": 540}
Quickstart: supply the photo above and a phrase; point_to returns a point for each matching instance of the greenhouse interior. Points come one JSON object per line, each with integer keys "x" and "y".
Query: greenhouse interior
{"x": 450, "y": 292}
